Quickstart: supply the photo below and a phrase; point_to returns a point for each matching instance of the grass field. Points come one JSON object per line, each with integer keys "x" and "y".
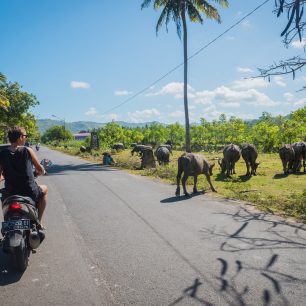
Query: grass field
{"x": 269, "y": 191}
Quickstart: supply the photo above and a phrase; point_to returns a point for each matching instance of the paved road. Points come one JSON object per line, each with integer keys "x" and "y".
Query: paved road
{"x": 118, "y": 239}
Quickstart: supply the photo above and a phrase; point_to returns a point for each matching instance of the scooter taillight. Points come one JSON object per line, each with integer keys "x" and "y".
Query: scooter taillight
{"x": 15, "y": 206}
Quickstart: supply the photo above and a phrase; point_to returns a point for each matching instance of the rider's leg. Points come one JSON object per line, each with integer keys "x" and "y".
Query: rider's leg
{"x": 42, "y": 202}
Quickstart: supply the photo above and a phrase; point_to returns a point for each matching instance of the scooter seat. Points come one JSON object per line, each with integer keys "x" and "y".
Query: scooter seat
{"x": 18, "y": 198}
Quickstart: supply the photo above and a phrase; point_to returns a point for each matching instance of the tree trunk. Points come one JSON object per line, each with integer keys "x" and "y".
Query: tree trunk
{"x": 187, "y": 127}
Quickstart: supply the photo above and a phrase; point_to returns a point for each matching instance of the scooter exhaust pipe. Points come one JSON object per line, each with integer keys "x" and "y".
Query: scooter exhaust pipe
{"x": 34, "y": 239}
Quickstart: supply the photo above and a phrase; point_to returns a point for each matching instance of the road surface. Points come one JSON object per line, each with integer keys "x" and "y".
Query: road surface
{"x": 114, "y": 238}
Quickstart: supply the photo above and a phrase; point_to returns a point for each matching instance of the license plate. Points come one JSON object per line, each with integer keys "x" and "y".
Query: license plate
{"x": 23, "y": 224}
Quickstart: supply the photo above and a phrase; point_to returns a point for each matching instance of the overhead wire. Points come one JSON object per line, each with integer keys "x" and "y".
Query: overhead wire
{"x": 188, "y": 59}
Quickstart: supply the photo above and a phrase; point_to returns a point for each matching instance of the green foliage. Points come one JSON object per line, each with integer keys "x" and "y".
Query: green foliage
{"x": 176, "y": 134}
{"x": 56, "y": 133}
{"x": 267, "y": 133}
{"x": 14, "y": 108}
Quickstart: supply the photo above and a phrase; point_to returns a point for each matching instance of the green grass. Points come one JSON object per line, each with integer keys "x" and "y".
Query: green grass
{"x": 269, "y": 191}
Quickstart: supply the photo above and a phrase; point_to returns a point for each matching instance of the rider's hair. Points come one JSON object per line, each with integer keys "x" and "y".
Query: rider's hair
{"x": 14, "y": 133}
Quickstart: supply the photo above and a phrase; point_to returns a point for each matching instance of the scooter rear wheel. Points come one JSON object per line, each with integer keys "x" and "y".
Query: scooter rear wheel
{"x": 22, "y": 254}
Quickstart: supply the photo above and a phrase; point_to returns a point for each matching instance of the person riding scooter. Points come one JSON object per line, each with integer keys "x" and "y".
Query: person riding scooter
{"x": 16, "y": 166}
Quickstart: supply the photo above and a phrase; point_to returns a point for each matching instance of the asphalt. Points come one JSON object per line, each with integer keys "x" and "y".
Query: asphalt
{"x": 114, "y": 238}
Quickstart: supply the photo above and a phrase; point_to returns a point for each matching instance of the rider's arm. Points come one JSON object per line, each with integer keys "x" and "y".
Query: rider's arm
{"x": 39, "y": 168}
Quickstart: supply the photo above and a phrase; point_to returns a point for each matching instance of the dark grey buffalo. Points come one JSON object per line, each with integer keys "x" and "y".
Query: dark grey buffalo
{"x": 287, "y": 155}
{"x": 192, "y": 165}
{"x": 85, "y": 149}
{"x": 231, "y": 154}
{"x": 146, "y": 156}
{"x": 162, "y": 154}
{"x": 249, "y": 154}
{"x": 118, "y": 146}
{"x": 140, "y": 148}
{"x": 299, "y": 156}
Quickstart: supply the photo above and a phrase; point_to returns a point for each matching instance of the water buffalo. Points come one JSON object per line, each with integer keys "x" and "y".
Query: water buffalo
{"x": 140, "y": 148}
{"x": 231, "y": 155}
{"x": 299, "y": 156}
{"x": 192, "y": 165}
{"x": 249, "y": 154}
{"x": 147, "y": 158}
{"x": 162, "y": 154}
{"x": 118, "y": 146}
{"x": 287, "y": 155}
{"x": 85, "y": 149}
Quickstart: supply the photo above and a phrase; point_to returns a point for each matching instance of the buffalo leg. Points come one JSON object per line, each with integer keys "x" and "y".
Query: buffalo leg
{"x": 178, "y": 179}
{"x": 195, "y": 180}
{"x": 284, "y": 166}
{"x": 248, "y": 168}
{"x": 210, "y": 184}
{"x": 234, "y": 172}
{"x": 228, "y": 169}
{"x": 184, "y": 179}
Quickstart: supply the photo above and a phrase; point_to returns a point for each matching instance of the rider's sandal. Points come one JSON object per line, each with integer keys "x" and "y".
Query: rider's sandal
{"x": 41, "y": 227}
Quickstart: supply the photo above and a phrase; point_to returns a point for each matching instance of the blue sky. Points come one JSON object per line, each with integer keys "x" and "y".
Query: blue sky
{"x": 82, "y": 58}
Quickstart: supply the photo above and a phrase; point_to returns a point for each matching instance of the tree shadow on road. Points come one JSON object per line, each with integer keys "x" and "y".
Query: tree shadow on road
{"x": 8, "y": 272}
{"x": 62, "y": 169}
{"x": 235, "y": 282}
{"x": 274, "y": 238}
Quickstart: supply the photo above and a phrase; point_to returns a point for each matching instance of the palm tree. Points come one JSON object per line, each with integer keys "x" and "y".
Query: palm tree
{"x": 4, "y": 103}
{"x": 176, "y": 10}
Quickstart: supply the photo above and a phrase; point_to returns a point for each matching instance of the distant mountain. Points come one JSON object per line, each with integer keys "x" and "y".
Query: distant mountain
{"x": 75, "y": 127}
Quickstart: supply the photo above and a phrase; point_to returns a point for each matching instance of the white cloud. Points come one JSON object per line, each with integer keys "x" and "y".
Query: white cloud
{"x": 299, "y": 44}
{"x": 279, "y": 80}
{"x": 230, "y": 38}
{"x": 244, "y": 69}
{"x": 246, "y": 24}
{"x": 77, "y": 84}
{"x": 122, "y": 93}
{"x": 175, "y": 88}
{"x": 300, "y": 103}
{"x": 250, "y": 83}
{"x": 92, "y": 112}
{"x": 232, "y": 97}
{"x": 177, "y": 114}
{"x": 210, "y": 112}
{"x": 288, "y": 96}
{"x": 140, "y": 116}
{"x": 230, "y": 104}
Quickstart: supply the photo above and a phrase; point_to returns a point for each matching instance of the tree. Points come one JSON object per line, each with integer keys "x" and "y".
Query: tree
{"x": 4, "y": 103}
{"x": 56, "y": 133}
{"x": 111, "y": 133}
{"x": 177, "y": 10}
{"x": 16, "y": 104}
{"x": 155, "y": 133}
{"x": 175, "y": 133}
{"x": 294, "y": 10}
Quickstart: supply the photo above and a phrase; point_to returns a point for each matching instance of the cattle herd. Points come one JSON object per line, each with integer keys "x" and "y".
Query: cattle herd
{"x": 293, "y": 157}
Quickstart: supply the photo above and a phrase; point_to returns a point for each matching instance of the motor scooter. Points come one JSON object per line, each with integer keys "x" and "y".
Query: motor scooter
{"x": 20, "y": 229}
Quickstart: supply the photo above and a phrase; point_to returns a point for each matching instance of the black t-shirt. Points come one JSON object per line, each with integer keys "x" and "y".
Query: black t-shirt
{"x": 18, "y": 173}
